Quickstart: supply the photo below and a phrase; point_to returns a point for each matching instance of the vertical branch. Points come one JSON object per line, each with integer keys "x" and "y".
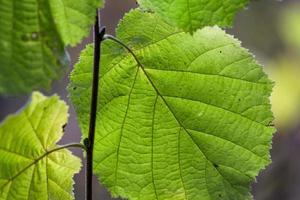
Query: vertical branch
{"x": 98, "y": 37}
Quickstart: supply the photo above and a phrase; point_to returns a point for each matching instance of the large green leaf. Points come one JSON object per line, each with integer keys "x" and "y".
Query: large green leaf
{"x": 33, "y": 35}
{"x": 27, "y": 170}
{"x": 190, "y": 122}
{"x": 191, "y": 15}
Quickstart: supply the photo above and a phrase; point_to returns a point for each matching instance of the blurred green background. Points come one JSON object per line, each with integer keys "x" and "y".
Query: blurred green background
{"x": 271, "y": 30}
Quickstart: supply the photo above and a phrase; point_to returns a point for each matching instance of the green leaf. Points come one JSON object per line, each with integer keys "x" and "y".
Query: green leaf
{"x": 191, "y": 15}
{"x": 32, "y": 40}
{"x": 28, "y": 169}
{"x": 73, "y": 19}
{"x": 190, "y": 122}
{"x": 289, "y": 25}
{"x": 286, "y": 94}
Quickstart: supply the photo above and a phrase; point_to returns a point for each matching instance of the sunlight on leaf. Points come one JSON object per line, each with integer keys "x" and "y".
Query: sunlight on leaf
{"x": 27, "y": 172}
{"x": 191, "y": 122}
{"x": 191, "y": 15}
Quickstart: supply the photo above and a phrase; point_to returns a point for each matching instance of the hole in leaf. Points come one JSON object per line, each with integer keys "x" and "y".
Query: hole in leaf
{"x": 34, "y": 36}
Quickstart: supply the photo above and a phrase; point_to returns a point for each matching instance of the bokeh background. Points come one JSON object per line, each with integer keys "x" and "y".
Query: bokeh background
{"x": 271, "y": 30}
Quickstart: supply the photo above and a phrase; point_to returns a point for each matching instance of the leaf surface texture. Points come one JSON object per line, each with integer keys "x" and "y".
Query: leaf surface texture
{"x": 191, "y": 15}
{"x": 32, "y": 39}
{"x": 190, "y": 120}
{"x": 27, "y": 172}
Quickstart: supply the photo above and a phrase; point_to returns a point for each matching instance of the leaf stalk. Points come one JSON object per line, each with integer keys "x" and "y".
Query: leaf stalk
{"x": 110, "y": 37}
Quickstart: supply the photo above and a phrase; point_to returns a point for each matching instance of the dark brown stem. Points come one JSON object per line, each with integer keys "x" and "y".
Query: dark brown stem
{"x": 98, "y": 37}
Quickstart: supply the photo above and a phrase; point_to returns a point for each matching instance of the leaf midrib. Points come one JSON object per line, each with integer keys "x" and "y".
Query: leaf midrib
{"x": 140, "y": 66}
{"x": 178, "y": 121}
{"x": 35, "y": 161}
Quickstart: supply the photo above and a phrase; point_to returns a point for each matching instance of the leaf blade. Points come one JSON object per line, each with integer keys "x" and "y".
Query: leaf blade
{"x": 27, "y": 170}
{"x": 190, "y": 122}
{"x": 191, "y": 15}
{"x": 33, "y": 37}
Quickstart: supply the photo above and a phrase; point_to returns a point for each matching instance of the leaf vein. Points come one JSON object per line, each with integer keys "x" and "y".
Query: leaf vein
{"x": 122, "y": 128}
{"x": 217, "y": 107}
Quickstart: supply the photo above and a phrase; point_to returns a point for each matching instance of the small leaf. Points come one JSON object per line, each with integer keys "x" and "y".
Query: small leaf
{"x": 190, "y": 122}
{"x": 191, "y": 15}
{"x": 32, "y": 39}
{"x": 27, "y": 171}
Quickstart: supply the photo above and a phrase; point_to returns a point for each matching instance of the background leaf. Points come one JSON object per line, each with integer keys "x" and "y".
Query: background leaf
{"x": 191, "y": 15}
{"x": 289, "y": 25}
{"x": 32, "y": 39}
{"x": 286, "y": 95}
{"x": 191, "y": 122}
{"x": 25, "y": 172}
